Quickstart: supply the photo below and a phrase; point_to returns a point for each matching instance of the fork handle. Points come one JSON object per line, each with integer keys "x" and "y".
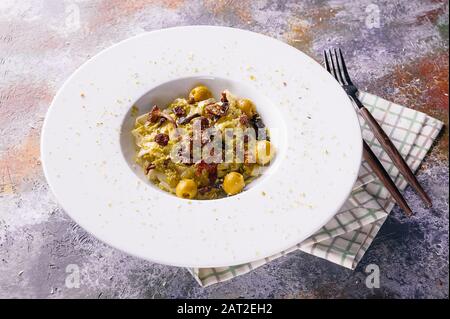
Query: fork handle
{"x": 394, "y": 154}
{"x": 384, "y": 177}
{"x": 357, "y": 101}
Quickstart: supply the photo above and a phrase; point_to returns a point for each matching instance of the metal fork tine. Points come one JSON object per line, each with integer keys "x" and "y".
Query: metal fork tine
{"x": 344, "y": 68}
{"x": 337, "y": 68}
{"x": 333, "y": 67}
{"x": 329, "y": 62}
{"x": 327, "y": 65}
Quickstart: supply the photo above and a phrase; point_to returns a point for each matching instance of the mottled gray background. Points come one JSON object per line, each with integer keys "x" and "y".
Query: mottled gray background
{"x": 403, "y": 59}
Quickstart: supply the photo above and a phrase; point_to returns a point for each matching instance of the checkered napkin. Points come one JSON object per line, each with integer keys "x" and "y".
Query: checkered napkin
{"x": 346, "y": 238}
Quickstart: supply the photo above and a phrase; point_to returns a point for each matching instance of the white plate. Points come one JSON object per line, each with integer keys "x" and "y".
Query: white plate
{"x": 87, "y": 149}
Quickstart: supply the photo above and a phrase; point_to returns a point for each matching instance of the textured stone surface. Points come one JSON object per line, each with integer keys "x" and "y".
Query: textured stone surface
{"x": 42, "y": 42}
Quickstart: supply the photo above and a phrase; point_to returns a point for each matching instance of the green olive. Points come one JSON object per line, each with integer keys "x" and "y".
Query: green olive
{"x": 246, "y": 106}
{"x": 186, "y": 188}
{"x": 199, "y": 93}
{"x": 264, "y": 152}
{"x": 233, "y": 183}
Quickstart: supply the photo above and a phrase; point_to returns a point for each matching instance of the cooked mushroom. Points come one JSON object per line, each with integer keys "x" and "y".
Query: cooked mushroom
{"x": 149, "y": 167}
{"x": 257, "y": 124}
{"x": 156, "y": 114}
{"x": 179, "y": 111}
{"x": 217, "y": 109}
{"x": 187, "y": 119}
{"x": 162, "y": 139}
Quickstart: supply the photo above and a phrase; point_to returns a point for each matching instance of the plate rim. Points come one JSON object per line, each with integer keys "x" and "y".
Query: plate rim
{"x": 359, "y": 150}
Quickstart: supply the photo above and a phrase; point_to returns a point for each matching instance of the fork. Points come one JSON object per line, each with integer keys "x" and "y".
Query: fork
{"x": 339, "y": 71}
{"x": 369, "y": 156}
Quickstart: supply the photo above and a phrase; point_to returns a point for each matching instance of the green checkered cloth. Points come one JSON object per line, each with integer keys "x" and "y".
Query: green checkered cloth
{"x": 346, "y": 238}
